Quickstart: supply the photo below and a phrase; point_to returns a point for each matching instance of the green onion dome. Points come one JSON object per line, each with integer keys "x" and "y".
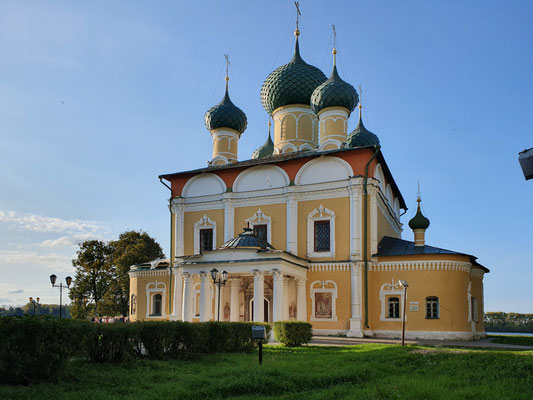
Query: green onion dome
{"x": 361, "y": 136}
{"x": 334, "y": 93}
{"x": 419, "y": 221}
{"x": 265, "y": 150}
{"x": 226, "y": 115}
{"x": 247, "y": 239}
{"x": 292, "y": 83}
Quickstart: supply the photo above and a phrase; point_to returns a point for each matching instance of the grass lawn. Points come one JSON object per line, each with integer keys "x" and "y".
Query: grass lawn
{"x": 508, "y": 339}
{"x": 368, "y": 371}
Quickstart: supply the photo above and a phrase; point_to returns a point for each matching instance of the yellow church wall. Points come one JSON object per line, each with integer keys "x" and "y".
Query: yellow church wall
{"x": 477, "y": 292}
{"x": 384, "y": 227}
{"x": 191, "y": 217}
{"x": 341, "y": 208}
{"x": 343, "y": 303}
{"x": 278, "y": 223}
{"x": 295, "y": 126}
{"x": 138, "y": 286}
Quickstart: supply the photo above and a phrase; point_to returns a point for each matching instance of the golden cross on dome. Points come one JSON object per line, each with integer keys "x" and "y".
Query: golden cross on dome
{"x": 360, "y": 100}
{"x": 334, "y": 49}
{"x": 227, "y": 66}
{"x": 298, "y": 13}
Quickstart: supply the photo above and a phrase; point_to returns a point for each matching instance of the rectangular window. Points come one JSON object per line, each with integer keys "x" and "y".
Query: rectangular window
{"x": 432, "y": 307}
{"x": 133, "y": 304}
{"x": 261, "y": 231}
{"x": 473, "y": 306}
{"x": 394, "y": 307}
{"x": 156, "y": 305}
{"x": 206, "y": 239}
{"x": 322, "y": 236}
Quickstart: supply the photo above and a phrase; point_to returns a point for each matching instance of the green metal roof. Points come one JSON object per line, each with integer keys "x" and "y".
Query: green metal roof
{"x": 362, "y": 136}
{"x": 334, "y": 93}
{"x": 419, "y": 221}
{"x": 265, "y": 150}
{"x": 226, "y": 115}
{"x": 292, "y": 83}
{"x": 247, "y": 239}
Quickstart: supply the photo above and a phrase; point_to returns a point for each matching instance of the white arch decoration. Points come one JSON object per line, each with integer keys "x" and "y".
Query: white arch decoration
{"x": 378, "y": 174}
{"x": 203, "y": 223}
{"x": 152, "y": 289}
{"x": 325, "y": 287}
{"x": 387, "y": 290}
{"x": 261, "y": 177}
{"x": 388, "y": 194}
{"x": 203, "y": 185}
{"x": 305, "y": 147}
{"x": 259, "y": 218}
{"x": 323, "y": 169}
{"x": 288, "y": 146}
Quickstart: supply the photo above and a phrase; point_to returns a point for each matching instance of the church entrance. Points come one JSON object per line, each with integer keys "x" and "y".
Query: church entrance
{"x": 266, "y": 305}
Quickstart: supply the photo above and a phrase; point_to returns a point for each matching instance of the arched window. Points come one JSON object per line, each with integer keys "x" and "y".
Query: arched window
{"x": 432, "y": 307}
{"x": 393, "y": 307}
{"x": 156, "y": 304}
{"x": 133, "y": 305}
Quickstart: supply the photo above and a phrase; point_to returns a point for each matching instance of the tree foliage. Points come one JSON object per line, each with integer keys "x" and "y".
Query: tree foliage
{"x": 101, "y": 285}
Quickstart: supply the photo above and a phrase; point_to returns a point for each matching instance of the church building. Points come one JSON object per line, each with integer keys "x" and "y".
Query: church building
{"x": 306, "y": 229}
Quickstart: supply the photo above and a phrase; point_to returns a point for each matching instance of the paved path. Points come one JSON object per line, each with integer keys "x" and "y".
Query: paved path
{"x": 482, "y": 343}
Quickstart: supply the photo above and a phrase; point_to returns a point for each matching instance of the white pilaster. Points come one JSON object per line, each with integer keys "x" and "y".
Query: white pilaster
{"x": 259, "y": 296}
{"x": 177, "y": 295}
{"x": 292, "y": 222}
{"x": 187, "y": 297}
{"x": 355, "y": 320}
{"x": 356, "y": 226}
{"x": 177, "y": 213}
{"x": 286, "y": 298}
{"x": 235, "y": 287}
{"x": 277, "y": 309}
{"x": 229, "y": 217}
{"x": 205, "y": 299}
{"x": 373, "y": 221}
{"x": 301, "y": 301}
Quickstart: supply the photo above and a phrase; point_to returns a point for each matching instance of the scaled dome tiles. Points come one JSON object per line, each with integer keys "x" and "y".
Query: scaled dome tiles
{"x": 362, "y": 137}
{"x": 292, "y": 83}
{"x": 226, "y": 115}
{"x": 334, "y": 93}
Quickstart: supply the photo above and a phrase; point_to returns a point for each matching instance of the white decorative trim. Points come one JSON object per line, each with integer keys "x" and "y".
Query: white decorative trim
{"x": 322, "y": 289}
{"x": 477, "y": 273}
{"x": 331, "y": 267}
{"x": 389, "y": 214}
{"x": 443, "y": 265}
{"x": 320, "y": 214}
{"x": 287, "y": 146}
{"x": 203, "y": 223}
{"x": 337, "y": 112}
{"x": 149, "y": 273}
{"x": 321, "y": 160}
{"x": 274, "y": 168}
{"x": 378, "y": 174}
{"x": 206, "y": 175}
{"x": 329, "y": 141}
{"x": 220, "y": 157}
{"x": 152, "y": 289}
{"x": 305, "y": 147}
{"x": 261, "y": 219}
{"x": 388, "y": 290}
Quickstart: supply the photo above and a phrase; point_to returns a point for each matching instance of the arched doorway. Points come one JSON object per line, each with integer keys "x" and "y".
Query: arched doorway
{"x": 266, "y": 308}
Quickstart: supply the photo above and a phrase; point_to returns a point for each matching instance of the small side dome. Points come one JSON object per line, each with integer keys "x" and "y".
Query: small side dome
{"x": 265, "y": 150}
{"x": 247, "y": 239}
{"x": 361, "y": 136}
{"x": 334, "y": 93}
{"x": 419, "y": 221}
{"x": 292, "y": 83}
{"x": 226, "y": 115}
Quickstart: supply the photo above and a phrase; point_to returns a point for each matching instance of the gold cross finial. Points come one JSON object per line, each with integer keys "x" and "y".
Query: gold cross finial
{"x": 298, "y": 13}
{"x": 418, "y": 200}
{"x": 334, "y": 48}
{"x": 227, "y": 67}
{"x": 360, "y": 99}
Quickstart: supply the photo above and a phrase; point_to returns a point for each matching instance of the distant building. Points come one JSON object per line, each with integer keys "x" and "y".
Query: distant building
{"x": 322, "y": 239}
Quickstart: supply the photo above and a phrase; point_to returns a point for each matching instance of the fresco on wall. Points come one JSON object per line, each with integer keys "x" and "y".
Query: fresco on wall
{"x": 323, "y": 308}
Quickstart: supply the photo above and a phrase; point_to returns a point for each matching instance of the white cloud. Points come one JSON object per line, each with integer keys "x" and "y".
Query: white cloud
{"x": 40, "y": 223}
{"x": 69, "y": 240}
{"x": 53, "y": 260}
{"x": 16, "y": 291}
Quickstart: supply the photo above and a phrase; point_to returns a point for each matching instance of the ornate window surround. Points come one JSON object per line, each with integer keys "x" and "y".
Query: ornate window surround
{"x": 387, "y": 290}
{"x": 322, "y": 289}
{"x": 203, "y": 223}
{"x": 259, "y": 218}
{"x": 153, "y": 288}
{"x": 320, "y": 214}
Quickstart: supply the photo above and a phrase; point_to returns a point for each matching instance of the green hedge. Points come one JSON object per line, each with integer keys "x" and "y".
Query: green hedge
{"x": 37, "y": 348}
{"x": 292, "y": 333}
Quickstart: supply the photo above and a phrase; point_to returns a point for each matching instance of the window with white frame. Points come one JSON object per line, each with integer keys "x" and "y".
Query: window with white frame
{"x": 321, "y": 233}
{"x": 391, "y": 299}
{"x": 155, "y": 298}
{"x": 156, "y": 304}
{"x": 133, "y": 304}
{"x": 323, "y": 300}
{"x": 261, "y": 225}
{"x": 393, "y": 307}
{"x": 432, "y": 307}
{"x": 205, "y": 235}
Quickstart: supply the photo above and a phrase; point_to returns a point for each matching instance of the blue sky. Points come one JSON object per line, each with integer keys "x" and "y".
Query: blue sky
{"x": 99, "y": 98}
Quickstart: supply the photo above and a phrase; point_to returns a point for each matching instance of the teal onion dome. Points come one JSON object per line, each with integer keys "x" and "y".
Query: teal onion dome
{"x": 292, "y": 83}
{"x": 419, "y": 221}
{"x": 226, "y": 115}
{"x": 334, "y": 93}
{"x": 361, "y": 136}
{"x": 265, "y": 150}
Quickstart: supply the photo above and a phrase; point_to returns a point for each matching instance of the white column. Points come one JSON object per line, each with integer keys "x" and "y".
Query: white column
{"x": 301, "y": 301}
{"x": 259, "y": 296}
{"x": 177, "y": 210}
{"x": 229, "y": 217}
{"x": 286, "y": 303}
{"x": 205, "y": 298}
{"x": 187, "y": 297}
{"x": 355, "y": 320}
{"x": 292, "y": 223}
{"x": 178, "y": 296}
{"x": 373, "y": 221}
{"x": 235, "y": 287}
{"x": 277, "y": 309}
{"x": 355, "y": 220}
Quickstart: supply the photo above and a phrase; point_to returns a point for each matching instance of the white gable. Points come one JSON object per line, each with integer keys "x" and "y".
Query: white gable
{"x": 323, "y": 169}
{"x": 204, "y": 185}
{"x": 261, "y": 177}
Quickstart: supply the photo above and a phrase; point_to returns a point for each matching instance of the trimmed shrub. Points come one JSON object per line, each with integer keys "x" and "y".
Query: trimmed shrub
{"x": 109, "y": 342}
{"x": 37, "y": 348}
{"x": 292, "y": 333}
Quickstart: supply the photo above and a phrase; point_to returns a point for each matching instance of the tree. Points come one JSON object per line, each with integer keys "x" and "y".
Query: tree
{"x": 94, "y": 275}
{"x": 132, "y": 247}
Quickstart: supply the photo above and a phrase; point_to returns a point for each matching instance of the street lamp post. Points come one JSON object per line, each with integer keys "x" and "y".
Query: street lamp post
{"x": 68, "y": 280}
{"x": 219, "y": 279}
{"x": 404, "y": 284}
{"x": 35, "y": 303}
